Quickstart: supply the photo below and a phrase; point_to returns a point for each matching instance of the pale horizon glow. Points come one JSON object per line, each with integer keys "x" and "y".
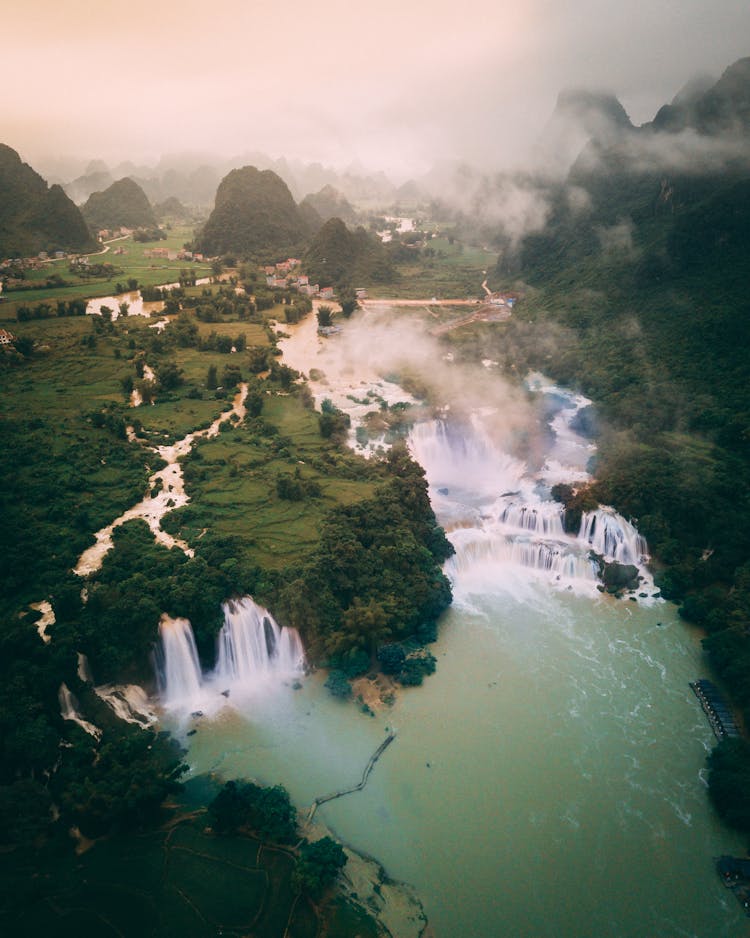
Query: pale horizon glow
{"x": 394, "y": 86}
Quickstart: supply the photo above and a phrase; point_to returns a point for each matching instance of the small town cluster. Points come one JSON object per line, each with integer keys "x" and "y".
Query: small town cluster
{"x": 283, "y": 275}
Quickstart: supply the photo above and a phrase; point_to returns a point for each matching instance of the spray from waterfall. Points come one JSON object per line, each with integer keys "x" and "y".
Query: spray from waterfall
{"x": 501, "y": 518}
{"x": 253, "y": 654}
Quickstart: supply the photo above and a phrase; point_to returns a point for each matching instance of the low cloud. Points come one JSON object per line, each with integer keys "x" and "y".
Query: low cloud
{"x": 617, "y": 240}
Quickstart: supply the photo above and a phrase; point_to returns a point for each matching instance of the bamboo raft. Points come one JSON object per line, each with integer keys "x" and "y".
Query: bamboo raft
{"x": 715, "y": 708}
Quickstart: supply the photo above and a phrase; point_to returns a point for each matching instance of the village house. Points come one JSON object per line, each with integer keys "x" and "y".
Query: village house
{"x": 326, "y": 293}
{"x": 502, "y": 299}
{"x": 6, "y": 338}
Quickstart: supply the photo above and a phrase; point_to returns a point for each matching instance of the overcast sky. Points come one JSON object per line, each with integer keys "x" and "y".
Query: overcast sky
{"x": 388, "y": 83}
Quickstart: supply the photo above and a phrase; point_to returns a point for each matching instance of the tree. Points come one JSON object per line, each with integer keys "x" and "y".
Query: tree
{"x": 257, "y": 359}
{"x": 231, "y": 376}
{"x": 325, "y": 316}
{"x": 169, "y": 376}
{"x": 211, "y": 380}
{"x": 267, "y": 811}
{"x": 391, "y": 658}
{"x": 318, "y": 866}
{"x": 347, "y": 301}
{"x": 368, "y": 622}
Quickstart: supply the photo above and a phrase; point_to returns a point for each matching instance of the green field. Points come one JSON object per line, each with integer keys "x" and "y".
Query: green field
{"x": 456, "y": 271}
{"x": 232, "y": 480}
{"x": 180, "y": 882}
{"x": 148, "y": 271}
{"x": 77, "y": 370}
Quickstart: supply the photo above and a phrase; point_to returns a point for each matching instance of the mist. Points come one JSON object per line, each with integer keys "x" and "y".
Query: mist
{"x": 393, "y": 87}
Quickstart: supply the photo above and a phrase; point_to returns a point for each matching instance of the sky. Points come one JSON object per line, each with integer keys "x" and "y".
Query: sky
{"x": 390, "y": 85}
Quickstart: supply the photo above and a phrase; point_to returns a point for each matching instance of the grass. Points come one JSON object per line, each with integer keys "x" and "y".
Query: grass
{"x": 456, "y": 271}
{"x": 233, "y": 485}
{"x": 184, "y": 883}
{"x": 148, "y": 271}
{"x": 63, "y": 376}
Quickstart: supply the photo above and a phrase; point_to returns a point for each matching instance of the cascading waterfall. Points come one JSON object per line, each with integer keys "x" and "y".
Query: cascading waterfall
{"x": 69, "y": 711}
{"x": 500, "y": 516}
{"x": 464, "y": 457}
{"x": 558, "y": 560}
{"x": 252, "y": 652}
{"x": 252, "y": 646}
{"x": 544, "y": 519}
{"x": 613, "y": 537}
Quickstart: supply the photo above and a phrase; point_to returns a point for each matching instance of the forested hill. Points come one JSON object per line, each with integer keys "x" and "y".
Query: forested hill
{"x": 330, "y": 203}
{"x": 123, "y": 203}
{"x": 339, "y": 256}
{"x": 33, "y": 216}
{"x": 254, "y": 215}
{"x": 636, "y": 291}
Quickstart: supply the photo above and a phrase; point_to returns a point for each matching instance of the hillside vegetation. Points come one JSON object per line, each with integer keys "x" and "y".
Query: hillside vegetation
{"x": 123, "y": 203}
{"x": 33, "y": 216}
{"x": 255, "y": 215}
{"x": 339, "y": 256}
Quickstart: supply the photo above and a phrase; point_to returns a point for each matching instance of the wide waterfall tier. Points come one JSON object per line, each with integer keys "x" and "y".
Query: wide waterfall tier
{"x": 178, "y": 669}
{"x": 493, "y": 557}
{"x": 543, "y": 518}
{"x": 462, "y": 458}
{"x": 252, "y": 646}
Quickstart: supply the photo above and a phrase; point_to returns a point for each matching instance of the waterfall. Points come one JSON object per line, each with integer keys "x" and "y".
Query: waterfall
{"x": 178, "y": 668}
{"x": 252, "y": 651}
{"x": 610, "y": 535}
{"x": 544, "y": 518}
{"x": 463, "y": 456}
{"x": 69, "y": 711}
{"x": 84, "y": 668}
{"x": 129, "y": 702}
{"x": 500, "y": 517}
{"x": 252, "y": 646}
{"x": 558, "y": 561}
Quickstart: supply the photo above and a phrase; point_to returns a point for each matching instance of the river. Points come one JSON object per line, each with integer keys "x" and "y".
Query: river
{"x": 549, "y": 778}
